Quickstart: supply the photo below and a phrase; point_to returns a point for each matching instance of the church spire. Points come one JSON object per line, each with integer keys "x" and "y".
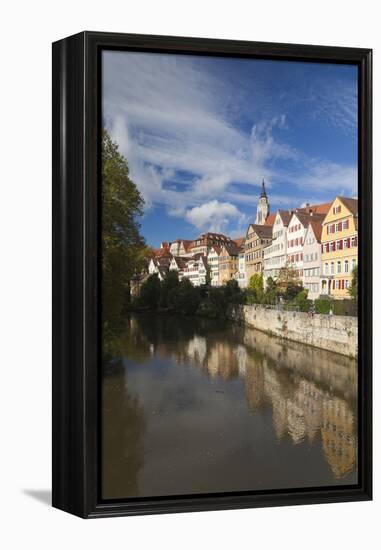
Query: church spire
{"x": 263, "y": 193}
{"x": 263, "y": 208}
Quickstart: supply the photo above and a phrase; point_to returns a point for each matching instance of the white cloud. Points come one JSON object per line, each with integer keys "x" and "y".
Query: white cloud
{"x": 165, "y": 117}
{"x": 171, "y": 121}
{"x": 215, "y": 216}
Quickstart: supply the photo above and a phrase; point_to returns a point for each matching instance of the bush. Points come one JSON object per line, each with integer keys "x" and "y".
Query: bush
{"x": 345, "y": 307}
{"x": 302, "y": 302}
{"x": 323, "y": 305}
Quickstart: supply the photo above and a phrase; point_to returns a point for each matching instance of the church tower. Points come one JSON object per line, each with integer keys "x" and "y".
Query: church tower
{"x": 263, "y": 208}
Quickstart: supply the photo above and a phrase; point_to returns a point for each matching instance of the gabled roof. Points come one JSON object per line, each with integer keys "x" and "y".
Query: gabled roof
{"x": 239, "y": 242}
{"x": 232, "y": 249}
{"x": 186, "y": 244}
{"x": 270, "y": 219}
{"x": 321, "y": 208}
{"x": 162, "y": 252}
{"x": 181, "y": 262}
{"x": 305, "y": 218}
{"x": 216, "y": 248}
{"x": 285, "y": 216}
{"x": 204, "y": 261}
{"x": 317, "y": 229}
{"x": 263, "y": 231}
{"x": 351, "y": 204}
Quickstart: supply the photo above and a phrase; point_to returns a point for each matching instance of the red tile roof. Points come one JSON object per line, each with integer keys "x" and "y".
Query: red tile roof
{"x": 317, "y": 229}
{"x": 316, "y": 208}
{"x": 270, "y": 219}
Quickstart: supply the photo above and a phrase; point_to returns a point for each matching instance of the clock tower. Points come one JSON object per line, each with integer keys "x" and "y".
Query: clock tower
{"x": 263, "y": 208}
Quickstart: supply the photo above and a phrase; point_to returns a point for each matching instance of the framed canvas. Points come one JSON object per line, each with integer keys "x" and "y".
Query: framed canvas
{"x": 212, "y": 287}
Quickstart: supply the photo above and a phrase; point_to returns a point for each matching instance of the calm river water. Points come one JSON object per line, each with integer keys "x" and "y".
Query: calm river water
{"x": 194, "y": 406}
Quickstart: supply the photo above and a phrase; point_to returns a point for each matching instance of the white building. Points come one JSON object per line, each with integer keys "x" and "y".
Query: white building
{"x": 195, "y": 270}
{"x": 312, "y": 260}
{"x": 159, "y": 266}
{"x": 181, "y": 247}
{"x": 178, "y": 264}
{"x": 241, "y": 273}
{"x": 212, "y": 258}
{"x": 275, "y": 254}
{"x": 296, "y": 234}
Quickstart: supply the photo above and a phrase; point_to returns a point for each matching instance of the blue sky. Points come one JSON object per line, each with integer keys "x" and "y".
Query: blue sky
{"x": 200, "y": 134}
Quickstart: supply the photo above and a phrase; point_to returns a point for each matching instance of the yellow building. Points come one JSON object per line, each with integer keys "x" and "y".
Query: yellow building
{"x": 257, "y": 237}
{"x": 339, "y": 241}
{"x": 228, "y": 262}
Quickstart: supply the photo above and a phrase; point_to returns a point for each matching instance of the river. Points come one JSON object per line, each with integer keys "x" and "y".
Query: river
{"x": 192, "y": 406}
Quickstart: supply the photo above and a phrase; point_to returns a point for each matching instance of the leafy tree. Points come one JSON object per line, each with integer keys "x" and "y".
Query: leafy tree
{"x": 353, "y": 289}
{"x": 271, "y": 294}
{"x": 288, "y": 283}
{"x": 171, "y": 281}
{"x": 123, "y": 248}
{"x": 232, "y": 292}
{"x": 184, "y": 298}
{"x": 256, "y": 287}
{"x": 215, "y": 305}
{"x": 150, "y": 293}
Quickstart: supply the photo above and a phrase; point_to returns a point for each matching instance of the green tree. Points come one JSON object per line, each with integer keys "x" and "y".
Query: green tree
{"x": 256, "y": 287}
{"x": 232, "y": 292}
{"x": 184, "y": 298}
{"x": 271, "y": 294}
{"x": 215, "y": 306}
{"x": 353, "y": 289}
{"x": 171, "y": 281}
{"x": 150, "y": 293}
{"x": 123, "y": 248}
{"x": 288, "y": 283}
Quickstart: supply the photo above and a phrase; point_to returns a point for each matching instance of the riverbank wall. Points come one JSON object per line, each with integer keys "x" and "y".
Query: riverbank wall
{"x": 337, "y": 333}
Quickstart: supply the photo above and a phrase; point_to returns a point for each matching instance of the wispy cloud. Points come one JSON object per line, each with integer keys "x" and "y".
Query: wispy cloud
{"x": 173, "y": 122}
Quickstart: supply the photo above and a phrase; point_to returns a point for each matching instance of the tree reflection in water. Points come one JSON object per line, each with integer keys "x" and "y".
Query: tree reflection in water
{"x": 123, "y": 428}
{"x": 309, "y": 394}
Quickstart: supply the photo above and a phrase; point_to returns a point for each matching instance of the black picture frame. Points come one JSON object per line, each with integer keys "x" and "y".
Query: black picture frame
{"x": 76, "y": 275}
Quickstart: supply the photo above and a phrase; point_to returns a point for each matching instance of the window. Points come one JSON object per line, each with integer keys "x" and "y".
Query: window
{"x": 332, "y": 268}
{"x": 338, "y": 267}
{"x": 337, "y": 209}
{"x": 346, "y": 284}
{"x": 354, "y": 241}
{"x": 326, "y": 269}
{"x": 346, "y": 224}
{"x": 353, "y": 264}
{"x": 346, "y": 266}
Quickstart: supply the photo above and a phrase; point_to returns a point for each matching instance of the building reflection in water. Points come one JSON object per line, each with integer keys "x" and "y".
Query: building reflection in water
{"x": 311, "y": 393}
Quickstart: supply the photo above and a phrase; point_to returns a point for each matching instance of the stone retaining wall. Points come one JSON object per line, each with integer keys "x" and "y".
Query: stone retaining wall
{"x": 336, "y": 333}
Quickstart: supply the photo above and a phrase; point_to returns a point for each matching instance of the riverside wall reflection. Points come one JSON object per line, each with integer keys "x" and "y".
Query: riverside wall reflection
{"x": 311, "y": 394}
